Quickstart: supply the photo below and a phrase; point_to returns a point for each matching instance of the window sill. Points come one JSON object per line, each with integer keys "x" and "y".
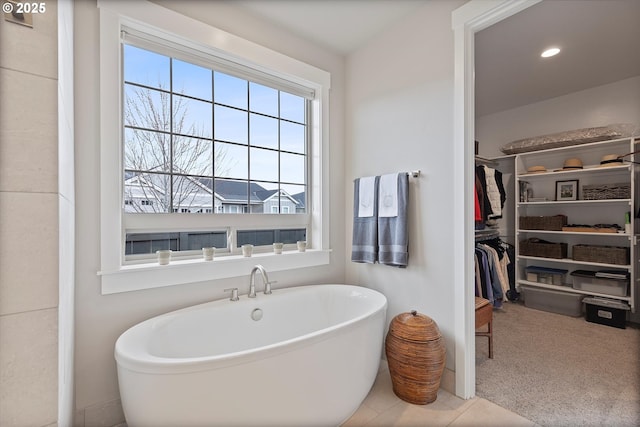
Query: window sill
{"x": 149, "y": 276}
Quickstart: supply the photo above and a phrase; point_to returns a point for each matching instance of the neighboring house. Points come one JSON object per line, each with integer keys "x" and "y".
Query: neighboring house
{"x": 301, "y": 207}
{"x": 149, "y": 192}
{"x": 270, "y": 203}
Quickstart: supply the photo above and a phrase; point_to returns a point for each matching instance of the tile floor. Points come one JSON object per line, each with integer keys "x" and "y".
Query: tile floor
{"x": 383, "y": 408}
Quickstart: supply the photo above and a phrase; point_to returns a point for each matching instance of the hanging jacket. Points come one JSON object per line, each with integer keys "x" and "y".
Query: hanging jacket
{"x": 481, "y": 185}
{"x": 493, "y": 192}
{"x": 477, "y": 211}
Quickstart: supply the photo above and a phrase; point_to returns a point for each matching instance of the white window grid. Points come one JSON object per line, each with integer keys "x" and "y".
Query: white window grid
{"x": 169, "y": 171}
{"x": 129, "y": 219}
{"x": 166, "y": 25}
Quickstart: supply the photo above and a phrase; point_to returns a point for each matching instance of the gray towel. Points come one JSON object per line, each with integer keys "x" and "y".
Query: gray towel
{"x": 393, "y": 232}
{"x": 365, "y": 229}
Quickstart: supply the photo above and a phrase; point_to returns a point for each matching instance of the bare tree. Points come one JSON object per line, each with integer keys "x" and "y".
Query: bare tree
{"x": 165, "y": 169}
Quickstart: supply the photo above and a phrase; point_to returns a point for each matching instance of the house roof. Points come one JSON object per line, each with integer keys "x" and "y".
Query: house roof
{"x": 233, "y": 190}
{"x": 300, "y": 198}
{"x": 265, "y": 194}
{"x": 230, "y": 190}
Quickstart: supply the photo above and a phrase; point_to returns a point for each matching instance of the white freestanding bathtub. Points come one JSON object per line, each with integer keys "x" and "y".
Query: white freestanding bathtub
{"x": 310, "y": 360}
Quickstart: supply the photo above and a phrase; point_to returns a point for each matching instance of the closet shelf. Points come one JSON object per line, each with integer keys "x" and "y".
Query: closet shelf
{"x": 576, "y": 233}
{"x": 572, "y": 261}
{"x": 588, "y": 170}
{"x": 569, "y": 289}
{"x": 576, "y": 202}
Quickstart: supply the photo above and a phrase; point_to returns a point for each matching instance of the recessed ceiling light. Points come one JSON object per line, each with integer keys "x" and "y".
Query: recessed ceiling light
{"x": 550, "y": 52}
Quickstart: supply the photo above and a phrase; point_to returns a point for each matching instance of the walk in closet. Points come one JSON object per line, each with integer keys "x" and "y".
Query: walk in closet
{"x": 572, "y": 215}
{"x": 576, "y": 226}
{"x": 571, "y": 212}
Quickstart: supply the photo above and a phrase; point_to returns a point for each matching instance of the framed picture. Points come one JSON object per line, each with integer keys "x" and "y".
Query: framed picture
{"x": 567, "y": 190}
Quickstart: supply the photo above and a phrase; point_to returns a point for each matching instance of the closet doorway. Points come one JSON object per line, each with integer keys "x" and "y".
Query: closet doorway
{"x": 496, "y": 117}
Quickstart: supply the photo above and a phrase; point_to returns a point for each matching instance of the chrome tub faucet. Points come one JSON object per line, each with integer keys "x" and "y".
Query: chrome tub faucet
{"x": 265, "y": 280}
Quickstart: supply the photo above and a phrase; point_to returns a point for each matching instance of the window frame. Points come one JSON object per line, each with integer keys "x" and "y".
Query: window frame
{"x": 156, "y": 21}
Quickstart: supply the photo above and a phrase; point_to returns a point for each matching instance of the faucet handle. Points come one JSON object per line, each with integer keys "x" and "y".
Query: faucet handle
{"x": 267, "y": 287}
{"x": 234, "y": 294}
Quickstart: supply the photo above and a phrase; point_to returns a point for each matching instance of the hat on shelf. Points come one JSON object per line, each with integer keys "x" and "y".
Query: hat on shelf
{"x": 536, "y": 169}
{"x": 572, "y": 163}
{"x": 610, "y": 160}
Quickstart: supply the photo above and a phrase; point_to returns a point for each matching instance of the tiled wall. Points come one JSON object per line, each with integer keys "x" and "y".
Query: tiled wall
{"x": 29, "y": 221}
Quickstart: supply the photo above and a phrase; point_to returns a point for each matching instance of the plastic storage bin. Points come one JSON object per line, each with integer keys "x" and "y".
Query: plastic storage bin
{"x": 591, "y": 282}
{"x": 553, "y": 301}
{"x": 606, "y": 312}
{"x": 550, "y": 276}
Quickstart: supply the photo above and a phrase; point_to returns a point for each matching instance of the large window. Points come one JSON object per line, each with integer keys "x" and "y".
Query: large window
{"x": 197, "y": 140}
{"x": 206, "y": 139}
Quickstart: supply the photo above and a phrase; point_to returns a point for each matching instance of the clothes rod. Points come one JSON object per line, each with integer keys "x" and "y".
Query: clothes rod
{"x": 414, "y": 174}
{"x": 484, "y": 161}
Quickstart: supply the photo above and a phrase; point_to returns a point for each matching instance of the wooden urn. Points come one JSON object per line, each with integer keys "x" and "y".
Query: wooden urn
{"x": 416, "y": 356}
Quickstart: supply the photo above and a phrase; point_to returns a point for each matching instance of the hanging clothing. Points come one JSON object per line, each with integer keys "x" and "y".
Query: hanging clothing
{"x": 499, "y": 271}
{"x": 485, "y": 276}
{"x": 492, "y": 277}
{"x": 512, "y": 294}
{"x": 490, "y": 192}
{"x": 483, "y": 198}
{"x": 493, "y": 194}
{"x": 501, "y": 190}
{"x": 495, "y": 191}
{"x": 477, "y": 211}
{"x": 493, "y": 289}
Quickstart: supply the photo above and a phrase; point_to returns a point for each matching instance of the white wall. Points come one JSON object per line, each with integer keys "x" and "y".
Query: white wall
{"x": 29, "y": 200}
{"x": 400, "y": 118}
{"x": 101, "y": 319}
{"x": 617, "y": 102}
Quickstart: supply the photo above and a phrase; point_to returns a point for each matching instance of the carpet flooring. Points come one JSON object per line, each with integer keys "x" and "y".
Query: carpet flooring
{"x": 560, "y": 371}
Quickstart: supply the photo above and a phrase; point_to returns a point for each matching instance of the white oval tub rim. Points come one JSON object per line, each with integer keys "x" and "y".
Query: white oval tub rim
{"x": 168, "y": 365}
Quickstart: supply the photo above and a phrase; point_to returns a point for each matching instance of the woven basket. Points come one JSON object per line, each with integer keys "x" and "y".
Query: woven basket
{"x": 606, "y": 191}
{"x": 552, "y": 223}
{"x": 542, "y": 248}
{"x": 416, "y": 355}
{"x": 604, "y": 254}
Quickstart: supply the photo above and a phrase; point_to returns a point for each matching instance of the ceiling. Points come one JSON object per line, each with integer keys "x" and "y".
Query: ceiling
{"x": 599, "y": 41}
{"x": 339, "y": 25}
